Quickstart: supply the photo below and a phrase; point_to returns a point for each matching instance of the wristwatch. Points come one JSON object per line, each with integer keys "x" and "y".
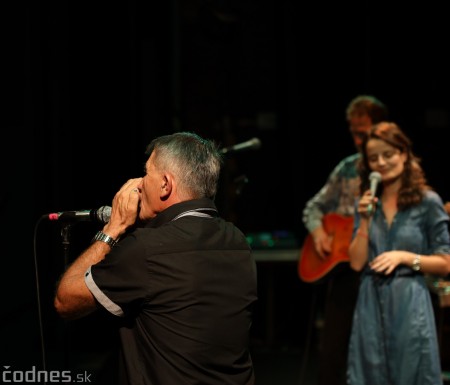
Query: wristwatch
{"x": 416, "y": 263}
{"x": 102, "y": 237}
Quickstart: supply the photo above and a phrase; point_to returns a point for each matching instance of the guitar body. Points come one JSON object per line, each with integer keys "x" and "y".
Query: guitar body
{"x": 311, "y": 268}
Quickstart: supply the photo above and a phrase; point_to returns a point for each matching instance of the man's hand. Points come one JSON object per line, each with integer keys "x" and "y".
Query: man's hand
{"x": 322, "y": 242}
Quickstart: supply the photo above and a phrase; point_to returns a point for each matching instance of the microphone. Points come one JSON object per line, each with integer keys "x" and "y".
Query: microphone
{"x": 102, "y": 215}
{"x": 375, "y": 178}
{"x": 252, "y": 144}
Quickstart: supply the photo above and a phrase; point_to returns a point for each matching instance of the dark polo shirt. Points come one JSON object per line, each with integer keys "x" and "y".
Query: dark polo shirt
{"x": 185, "y": 285}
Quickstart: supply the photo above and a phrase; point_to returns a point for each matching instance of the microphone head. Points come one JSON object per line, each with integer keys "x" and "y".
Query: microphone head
{"x": 251, "y": 144}
{"x": 103, "y": 214}
{"x": 254, "y": 143}
{"x": 375, "y": 176}
{"x": 375, "y": 179}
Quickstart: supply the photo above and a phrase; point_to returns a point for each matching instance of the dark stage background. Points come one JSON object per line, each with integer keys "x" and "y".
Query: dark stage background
{"x": 87, "y": 85}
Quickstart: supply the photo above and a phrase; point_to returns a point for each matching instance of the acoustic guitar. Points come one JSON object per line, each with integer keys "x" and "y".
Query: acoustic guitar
{"x": 312, "y": 268}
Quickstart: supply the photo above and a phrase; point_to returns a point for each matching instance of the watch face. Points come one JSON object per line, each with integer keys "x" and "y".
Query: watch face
{"x": 416, "y": 264}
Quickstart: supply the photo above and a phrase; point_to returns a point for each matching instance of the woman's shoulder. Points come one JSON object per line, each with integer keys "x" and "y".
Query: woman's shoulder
{"x": 432, "y": 197}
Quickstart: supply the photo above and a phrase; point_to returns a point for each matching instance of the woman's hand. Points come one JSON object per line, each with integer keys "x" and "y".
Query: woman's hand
{"x": 386, "y": 262}
{"x": 367, "y": 204}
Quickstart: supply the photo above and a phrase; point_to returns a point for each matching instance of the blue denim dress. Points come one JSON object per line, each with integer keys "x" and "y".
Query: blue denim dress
{"x": 393, "y": 339}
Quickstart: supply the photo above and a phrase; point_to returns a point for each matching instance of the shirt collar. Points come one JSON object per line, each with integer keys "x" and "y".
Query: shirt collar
{"x": 178, "y": 208}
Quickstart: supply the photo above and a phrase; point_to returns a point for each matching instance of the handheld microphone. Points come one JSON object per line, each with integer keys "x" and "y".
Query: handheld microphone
{"x": 102, "y": 215}
{"x": 375, "y": 178}
{"x": 252, "y": 144}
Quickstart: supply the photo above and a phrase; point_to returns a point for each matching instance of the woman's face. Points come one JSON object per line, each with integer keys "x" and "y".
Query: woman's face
{"x": 388, "y": 160}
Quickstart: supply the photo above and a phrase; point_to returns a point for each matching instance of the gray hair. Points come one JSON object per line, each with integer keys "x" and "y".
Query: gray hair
{"x": 194, "y": 161}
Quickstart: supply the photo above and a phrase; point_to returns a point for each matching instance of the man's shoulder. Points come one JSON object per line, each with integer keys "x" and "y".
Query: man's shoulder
{"x": 351, "y": 159}
{"x": 348, "y": 163}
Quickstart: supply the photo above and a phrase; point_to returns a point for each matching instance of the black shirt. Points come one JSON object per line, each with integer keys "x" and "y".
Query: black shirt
{"x": 185, "y": 285}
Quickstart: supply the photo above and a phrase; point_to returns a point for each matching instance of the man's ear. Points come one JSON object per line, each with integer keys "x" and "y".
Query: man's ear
{"x": 166, "y": 186}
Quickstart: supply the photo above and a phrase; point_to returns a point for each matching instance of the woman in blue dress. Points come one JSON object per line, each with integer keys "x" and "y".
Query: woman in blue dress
{"x": 400, "y": 234}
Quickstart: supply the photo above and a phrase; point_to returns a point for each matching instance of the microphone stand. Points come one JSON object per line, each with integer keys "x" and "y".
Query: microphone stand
{"x": 65, "y": 234}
